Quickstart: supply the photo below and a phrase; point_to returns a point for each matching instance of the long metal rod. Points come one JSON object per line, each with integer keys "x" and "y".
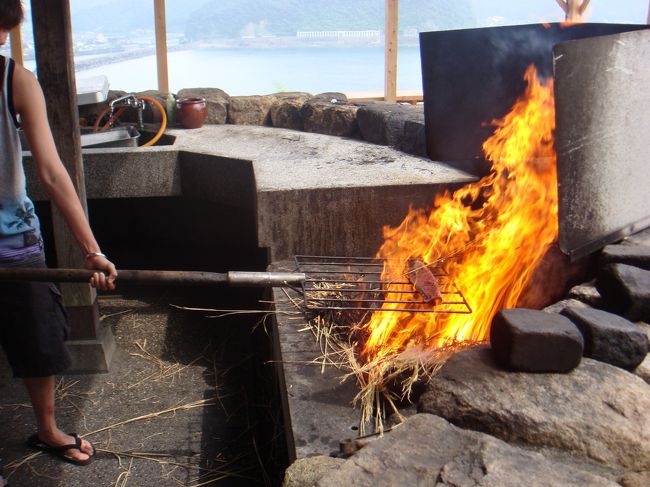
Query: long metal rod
{"x": 195, "y": 278}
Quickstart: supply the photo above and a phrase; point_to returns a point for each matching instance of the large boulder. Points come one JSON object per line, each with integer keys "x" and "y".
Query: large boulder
{"x": 586, "y": 293}
{"x": 427, "y": 450}
{"x": 414, "y": 138}
{"x": 384, "y": 123}
{"x": 251, "y": 110}
{"x": 286, "y": 111}
{"x": 330, "y": 118}
{"x": 597, "y": 410}
{"x": 643, "y": 370}
{"x": 216, "y": 103}
{"x": 636, "y": 479}
{"x": 307, "y": 471}
{"x": 565, "y": 303}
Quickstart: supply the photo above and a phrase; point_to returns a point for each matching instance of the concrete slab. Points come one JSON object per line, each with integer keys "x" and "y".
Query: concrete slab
{"x": 288, "y": 160}
{"x": 122, "y": 173}
{"x": 319, "y": 194}
{"x": 91, "y": 356}
{"x": 312, "y": 193}
{"x": 317, "y": 404}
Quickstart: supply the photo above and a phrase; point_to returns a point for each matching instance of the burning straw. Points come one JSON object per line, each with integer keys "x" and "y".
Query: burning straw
{"x": 497, "y": 230}
{"x": 488, "y": 236}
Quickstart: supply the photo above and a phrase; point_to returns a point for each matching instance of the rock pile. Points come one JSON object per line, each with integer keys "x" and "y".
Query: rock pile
{"x": 560, "y": 397}
{"x": 397, "y": 125}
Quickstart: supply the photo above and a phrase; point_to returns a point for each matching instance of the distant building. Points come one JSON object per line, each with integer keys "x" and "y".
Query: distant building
{"x": 370, "y": 35}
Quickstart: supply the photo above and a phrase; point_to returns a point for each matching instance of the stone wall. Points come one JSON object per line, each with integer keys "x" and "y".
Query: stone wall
{"x": 397, "y": 125}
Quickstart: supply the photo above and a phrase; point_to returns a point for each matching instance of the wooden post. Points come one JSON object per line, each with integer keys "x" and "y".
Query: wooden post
{"x": 390, "y": 78}
{"x": 55, "y": 67}
{"x": 161, "y": 45}
{"x": 17, "y": 45}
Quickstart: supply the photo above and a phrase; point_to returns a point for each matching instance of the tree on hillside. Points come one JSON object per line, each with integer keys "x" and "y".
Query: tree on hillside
{"x": 234, "y": 18}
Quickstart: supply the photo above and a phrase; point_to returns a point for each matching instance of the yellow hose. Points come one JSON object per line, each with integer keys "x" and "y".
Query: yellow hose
{"x": 163, "y": 122}
{"x": 154, "y": 139}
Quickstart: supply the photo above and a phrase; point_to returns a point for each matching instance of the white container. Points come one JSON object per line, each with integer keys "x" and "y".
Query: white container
{"x": 92, "y": 90}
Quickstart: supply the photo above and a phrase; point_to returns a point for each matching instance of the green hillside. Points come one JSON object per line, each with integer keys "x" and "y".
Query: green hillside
{"x": 199, "y": 19}
{"x": 233, "y": 18}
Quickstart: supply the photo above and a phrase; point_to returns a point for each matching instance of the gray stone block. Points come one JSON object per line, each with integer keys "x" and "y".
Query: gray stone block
{"x": 586, "y": 293}
{"x": 630, "y": 254}
{"x": 626, "y": 290}
{"x": 286, "y": 112}
{"x": 92, "y": 356}
{"x": 331, "y": 97}
{"x": 609, "y": 337}
{"x": 529, "y": 340}
{"x": 384, "y": 123}
{"x": 250, "y": 110}
{"x": 324, "y": 117}
{"x": 561, "y": 305}
{"x": 414, "y": 138}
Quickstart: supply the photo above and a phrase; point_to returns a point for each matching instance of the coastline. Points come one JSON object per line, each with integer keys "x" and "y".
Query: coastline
{"x": 271, "y": 42}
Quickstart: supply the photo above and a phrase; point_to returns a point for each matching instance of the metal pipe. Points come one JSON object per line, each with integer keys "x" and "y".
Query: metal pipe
{"x": 193, "y": 278}
{"x": 265, "y": 279}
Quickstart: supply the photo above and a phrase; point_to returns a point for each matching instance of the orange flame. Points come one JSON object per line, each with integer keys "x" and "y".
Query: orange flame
{"x": 497, "y": 231}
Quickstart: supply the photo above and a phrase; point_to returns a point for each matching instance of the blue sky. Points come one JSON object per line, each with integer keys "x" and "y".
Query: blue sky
{"x": 495, "y": 12}
{"x": 483, "y": 12}
{"x": 509, "y": 11}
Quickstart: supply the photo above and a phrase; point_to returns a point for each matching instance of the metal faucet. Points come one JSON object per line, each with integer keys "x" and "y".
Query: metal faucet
{"x": 133, "y": 102}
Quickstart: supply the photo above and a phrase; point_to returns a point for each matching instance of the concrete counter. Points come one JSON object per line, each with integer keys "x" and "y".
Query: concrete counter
{"x": 312, "y": 193}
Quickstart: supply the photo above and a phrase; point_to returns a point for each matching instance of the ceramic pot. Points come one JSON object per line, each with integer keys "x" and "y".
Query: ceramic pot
{"x": 191, "y": 111}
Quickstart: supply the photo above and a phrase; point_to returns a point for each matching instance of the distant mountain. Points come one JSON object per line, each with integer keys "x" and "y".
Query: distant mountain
{"x": 233, "y": 18}
{"x": 124, "y": 16}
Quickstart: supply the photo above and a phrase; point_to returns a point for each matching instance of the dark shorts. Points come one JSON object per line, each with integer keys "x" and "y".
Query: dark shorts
{"x": 33, "y": 328}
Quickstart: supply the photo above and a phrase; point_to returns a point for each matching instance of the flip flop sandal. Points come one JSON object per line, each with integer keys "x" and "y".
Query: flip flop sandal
{"x": 59, "y": 451}
{"x": 2, "y": 479}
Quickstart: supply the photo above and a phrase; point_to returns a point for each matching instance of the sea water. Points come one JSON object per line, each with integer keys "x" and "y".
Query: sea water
{"x": 260, "y": 71}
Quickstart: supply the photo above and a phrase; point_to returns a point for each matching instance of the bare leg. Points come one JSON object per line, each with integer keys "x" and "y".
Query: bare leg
{"x": 41, "y": 392}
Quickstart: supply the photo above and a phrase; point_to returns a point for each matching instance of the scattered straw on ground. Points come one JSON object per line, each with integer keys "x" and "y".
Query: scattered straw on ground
{"x": 67, "y": 395}
{"x": 383, "y": 382}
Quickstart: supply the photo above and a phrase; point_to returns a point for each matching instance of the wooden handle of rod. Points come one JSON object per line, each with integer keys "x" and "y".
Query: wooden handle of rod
{"x": 192, "y": 278}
